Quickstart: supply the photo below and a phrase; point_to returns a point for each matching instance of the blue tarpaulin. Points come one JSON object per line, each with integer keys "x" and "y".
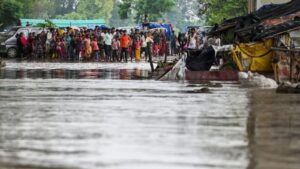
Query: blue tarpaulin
{"x": 164, "y": 25}
{"x": 66, "y": 23}
{"x": 104, "y": 27}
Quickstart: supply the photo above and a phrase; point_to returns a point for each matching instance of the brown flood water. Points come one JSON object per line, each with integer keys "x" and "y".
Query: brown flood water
{"x": 274, "y": 130}
{"x": 57, "y": 116}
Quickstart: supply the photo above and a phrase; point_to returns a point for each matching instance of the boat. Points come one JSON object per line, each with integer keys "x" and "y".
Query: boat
{"x": 197, "y": 66}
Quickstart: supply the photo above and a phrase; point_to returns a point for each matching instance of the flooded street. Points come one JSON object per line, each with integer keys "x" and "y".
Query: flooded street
{"x": 111, "y": 116}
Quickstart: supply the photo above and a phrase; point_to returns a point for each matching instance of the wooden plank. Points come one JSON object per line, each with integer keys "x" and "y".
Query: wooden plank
{"x": 228, "y": 75}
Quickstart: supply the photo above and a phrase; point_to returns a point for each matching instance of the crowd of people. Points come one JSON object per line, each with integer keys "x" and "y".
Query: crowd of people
{"x": 99, "y": 45}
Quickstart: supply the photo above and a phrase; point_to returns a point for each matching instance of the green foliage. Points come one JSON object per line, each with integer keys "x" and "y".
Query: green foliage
{"x": 116, "y": 21}
{"x": 48, "y": 24}
{"x": 154, "y": 9}
{"x": 12, "y": 10}
{"x": 9, "y": 13}
{"x": 185, "y": 14}
{"x": 40, "y": 9}
{"x": 215, "y": 11}
{"x": 178, "y": 20}
{"x": 117, "y": 12}
{"x": 91, "y": 9}
{"x": 124, "y": 8}
{"x": 36, "y": 9}
{"x": 62, "y": 7}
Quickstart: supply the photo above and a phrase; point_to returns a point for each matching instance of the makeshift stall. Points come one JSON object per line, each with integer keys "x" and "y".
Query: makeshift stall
{"x": 287, "y": 57}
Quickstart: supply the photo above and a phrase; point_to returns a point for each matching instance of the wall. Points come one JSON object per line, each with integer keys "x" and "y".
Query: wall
{"x": 260, "y": 3}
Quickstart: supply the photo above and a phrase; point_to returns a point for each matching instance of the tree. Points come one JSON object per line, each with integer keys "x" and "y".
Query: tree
{"x": 189, "y": 9}
{"x": 154, "y": 9}
{"x": 37, "y": 9}
{"x": 185, "y": 13}
{"x": 116, "y": 20}
{"x": 91, "y": 9}
{"x": 9, "y": 13}
{"x": 41, "y": 9}
{"x": 47, "y": 24}
{"x": 62, "y": 7}
{"x": 215, "y": 11}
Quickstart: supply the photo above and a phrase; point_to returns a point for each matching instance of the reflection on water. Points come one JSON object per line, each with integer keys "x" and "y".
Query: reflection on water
{"x": 48, "y": 70}
{"x": 274, "y": 130}
{"x": 124, "y": 74}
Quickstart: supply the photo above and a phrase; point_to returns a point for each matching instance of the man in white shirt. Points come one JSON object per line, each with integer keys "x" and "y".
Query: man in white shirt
{"x": 108, "y": 40}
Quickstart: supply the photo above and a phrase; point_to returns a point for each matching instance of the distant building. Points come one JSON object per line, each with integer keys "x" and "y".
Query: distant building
{"x": 253, "y": 5}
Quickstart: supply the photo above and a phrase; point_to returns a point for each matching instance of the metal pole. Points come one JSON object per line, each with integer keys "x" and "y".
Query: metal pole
{"x": 291, "y": 61}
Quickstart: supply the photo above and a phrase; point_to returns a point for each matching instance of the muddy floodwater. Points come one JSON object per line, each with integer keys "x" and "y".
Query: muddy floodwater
{"x": 112, "y": 116}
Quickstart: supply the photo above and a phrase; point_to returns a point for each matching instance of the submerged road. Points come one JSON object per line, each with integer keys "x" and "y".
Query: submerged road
{"x": 91, "y": 116}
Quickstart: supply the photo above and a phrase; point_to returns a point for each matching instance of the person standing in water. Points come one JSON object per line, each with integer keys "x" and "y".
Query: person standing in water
{"x": 138, "y": 49}
{"x": 124, "y": 41}
{"x": 115, "y": 44}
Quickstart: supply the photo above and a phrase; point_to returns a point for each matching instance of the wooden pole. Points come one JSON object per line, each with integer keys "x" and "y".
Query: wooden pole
{"x": 166, "y": 53}
{"x": 150, "y": 58}
{"x": 252, "y": 5}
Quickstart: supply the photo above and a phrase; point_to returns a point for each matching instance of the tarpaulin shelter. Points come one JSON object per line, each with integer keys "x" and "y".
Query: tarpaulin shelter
{"x": 278, "y": 10}
{"x": 287, "y": 55}
{"x": 281, "y": 20}
{"x": 63, "y": 23}
{"x": 166, "y": 26}
{"x": 287, "y": 67}
{"x": 256, "y": 56}
{"x": 103, "y": 27}
{"x": 278, "y": 29}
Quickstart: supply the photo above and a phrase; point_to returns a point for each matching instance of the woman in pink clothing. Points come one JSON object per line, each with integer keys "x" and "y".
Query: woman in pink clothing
{"x": 59, "y": 49}
{"x": 95, "y": 48}
{"x": 115, "y": 44}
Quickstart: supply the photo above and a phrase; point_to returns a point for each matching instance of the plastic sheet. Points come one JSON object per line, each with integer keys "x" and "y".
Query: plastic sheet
{"x": 256, "y": 80}
{"x": 255, "y": 56}
{"x": 177, "y": 72}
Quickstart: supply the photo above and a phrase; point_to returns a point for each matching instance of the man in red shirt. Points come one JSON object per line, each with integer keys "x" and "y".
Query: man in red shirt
{"x": 124, "y": 43}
